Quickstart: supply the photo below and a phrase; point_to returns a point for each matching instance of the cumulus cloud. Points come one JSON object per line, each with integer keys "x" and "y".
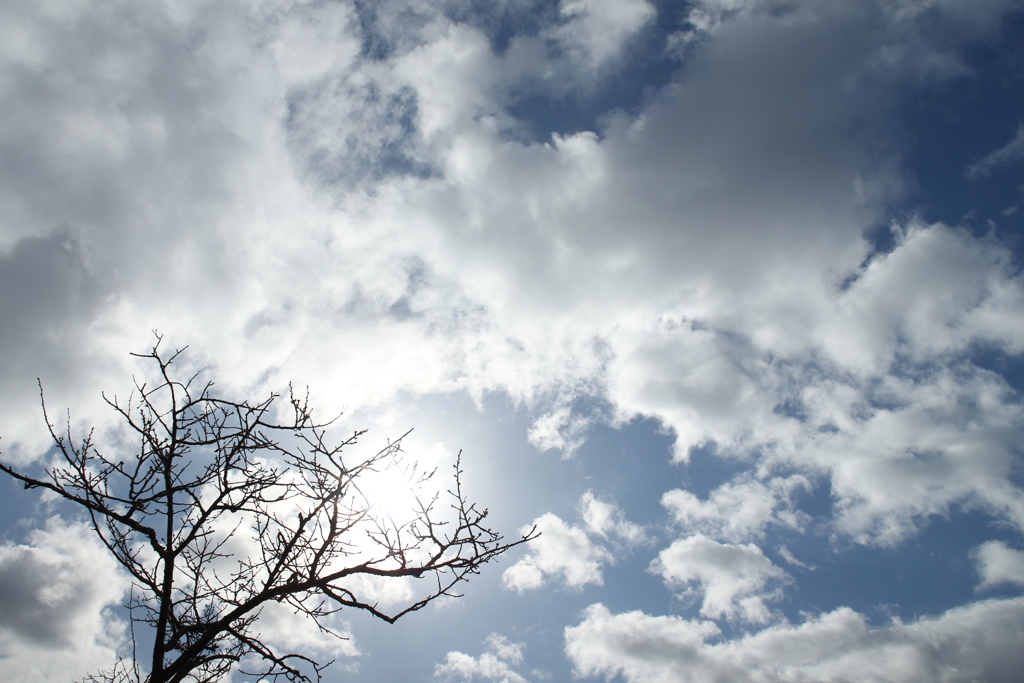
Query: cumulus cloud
{"x": 740, "y": 509}
{"x": 881, "y": 398}
{"x": 736, "y": 580}
{"x": 575, "y": 554}
{"x": 980, "y": 641}
{"x": 497, "y": 664}
{"x": 948, "y": 438}
{"x": 999, "y": 564}
{"x": 561, "y": 550}
{"x": 57, "y": 596}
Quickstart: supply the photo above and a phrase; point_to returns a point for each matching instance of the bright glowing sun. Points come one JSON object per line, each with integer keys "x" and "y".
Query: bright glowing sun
{"x": 391, "y": 496}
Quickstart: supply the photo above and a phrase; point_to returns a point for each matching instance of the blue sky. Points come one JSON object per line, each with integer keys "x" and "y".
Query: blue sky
{"x": 725, "y": 296}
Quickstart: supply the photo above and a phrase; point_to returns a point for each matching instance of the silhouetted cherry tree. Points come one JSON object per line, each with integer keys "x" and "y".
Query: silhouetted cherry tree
{"x": 206, "y": 469}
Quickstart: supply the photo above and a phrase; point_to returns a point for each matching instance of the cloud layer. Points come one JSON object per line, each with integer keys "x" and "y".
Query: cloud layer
{"x": 358, "y": 199}
{"x": 979, "y": 642}
{"x": 58, "y": 594}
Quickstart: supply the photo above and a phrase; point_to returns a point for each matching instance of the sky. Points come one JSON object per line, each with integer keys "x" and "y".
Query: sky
{"x": 724, "y": 296}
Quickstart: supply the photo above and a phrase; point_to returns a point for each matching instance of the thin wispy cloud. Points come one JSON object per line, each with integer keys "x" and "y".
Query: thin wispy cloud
{"x": 1008, "y": 153}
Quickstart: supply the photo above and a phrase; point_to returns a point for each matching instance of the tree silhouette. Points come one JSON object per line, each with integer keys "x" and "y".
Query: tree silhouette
{"x": 206, "y": 467}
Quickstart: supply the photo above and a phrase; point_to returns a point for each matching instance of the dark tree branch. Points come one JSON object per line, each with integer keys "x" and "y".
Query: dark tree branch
{"x": 207, "y": 467}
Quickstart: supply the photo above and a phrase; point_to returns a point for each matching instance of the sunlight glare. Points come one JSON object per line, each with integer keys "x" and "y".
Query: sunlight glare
{"x": 390, "y": 495}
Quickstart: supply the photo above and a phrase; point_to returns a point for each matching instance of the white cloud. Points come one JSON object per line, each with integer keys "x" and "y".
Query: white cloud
{"x": 606, "y": 520}
{"x": 598, "y": 29}
{"x": 299, "y": 41}
{"x": 559, "y": 429}
{"x": 281, "y": 627}
{"x": 574, "y": 554}
{"x": 945, "y": 438}
{"x": 56, "y": 605}
{"x": 872, "y": 388}
{"x": 936, "y": 294}
{"x": 791, "y": 559}
{"x": 735, "y": 580}
{"x": 740, "y": 509}
{"x": 453, "y": 76}
{"x": 497, "y": 664}
{"x": 561, "y": 550}
{"x": 979, "y": 642}
{"x": 999, "y": 564}
{"x": 638, "y": 646}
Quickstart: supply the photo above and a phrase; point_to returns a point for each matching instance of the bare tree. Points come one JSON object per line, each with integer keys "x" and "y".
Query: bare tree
{"x": 207, "y": 466}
